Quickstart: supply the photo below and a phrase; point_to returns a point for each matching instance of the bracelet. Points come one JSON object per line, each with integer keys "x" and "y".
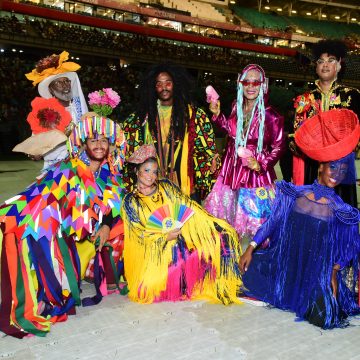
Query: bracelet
{"x": 253, "y": 244}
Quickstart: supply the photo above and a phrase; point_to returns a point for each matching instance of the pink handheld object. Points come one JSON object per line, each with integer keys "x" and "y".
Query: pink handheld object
{"x": 211, "y": 95}
{"x": 244, "y": 154}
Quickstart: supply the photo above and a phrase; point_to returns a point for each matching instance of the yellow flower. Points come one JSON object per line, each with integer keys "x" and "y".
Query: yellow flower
{"x": 62, "y": 67}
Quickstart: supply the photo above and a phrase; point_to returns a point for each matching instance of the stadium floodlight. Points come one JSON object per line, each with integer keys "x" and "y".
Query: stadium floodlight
{"x": 278, "y": 9}
{"x": 308, "y": 14}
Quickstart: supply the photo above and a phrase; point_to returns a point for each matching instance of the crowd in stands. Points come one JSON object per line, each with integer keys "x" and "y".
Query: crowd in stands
{"x": 17, "y": 92}
{"x": 133, "y": 43}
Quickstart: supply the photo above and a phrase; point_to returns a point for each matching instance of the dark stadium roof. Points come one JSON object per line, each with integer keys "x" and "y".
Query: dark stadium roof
{"x": 346, "y": 10}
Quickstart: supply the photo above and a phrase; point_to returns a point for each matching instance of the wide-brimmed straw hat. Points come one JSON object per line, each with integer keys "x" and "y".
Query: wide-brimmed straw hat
{"x": 329, "y": 135}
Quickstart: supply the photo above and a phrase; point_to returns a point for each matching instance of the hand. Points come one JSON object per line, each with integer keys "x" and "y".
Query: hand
{"x": 215, "y": 108}
{"x": 103, "y": 233}
{"x": 35, "y": 157}
{"x": 246, "y": 258}
{"x": 334, "y": 282}
{"x": 214, "y": 162}
{"x": 253, "y": 164}
{"x": 173, "y": 234}
{"x": 293, "y": 148}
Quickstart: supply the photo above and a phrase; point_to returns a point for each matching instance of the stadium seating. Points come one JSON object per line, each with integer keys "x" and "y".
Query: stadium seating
{"x": 196, "y": 8}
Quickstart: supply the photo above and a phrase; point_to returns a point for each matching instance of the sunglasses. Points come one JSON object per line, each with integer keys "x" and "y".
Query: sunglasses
{"x": 253, "y": 83}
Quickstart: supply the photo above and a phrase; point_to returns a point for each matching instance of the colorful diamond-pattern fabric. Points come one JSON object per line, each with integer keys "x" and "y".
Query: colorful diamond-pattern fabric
{"x": 40, "y": 264}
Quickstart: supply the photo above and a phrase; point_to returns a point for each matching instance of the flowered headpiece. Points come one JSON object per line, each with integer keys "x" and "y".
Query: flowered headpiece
{"x": 259, "y": 109}
{"x": 48, "y": 114}
{"x": 52, "y": 65}
{"x": 143, "y": 153}
{"x": 91, "y": 126}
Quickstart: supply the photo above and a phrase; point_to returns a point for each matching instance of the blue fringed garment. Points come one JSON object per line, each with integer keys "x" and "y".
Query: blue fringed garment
{"x": 310, "y": 230}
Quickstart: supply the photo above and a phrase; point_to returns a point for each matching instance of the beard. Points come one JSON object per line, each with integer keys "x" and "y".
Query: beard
{"x": 63, "y": 96}
{"x": 93, "y": 157}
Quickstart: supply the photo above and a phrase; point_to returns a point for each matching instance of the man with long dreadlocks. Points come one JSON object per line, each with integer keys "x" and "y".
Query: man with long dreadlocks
{"x": 328, "y": 94}
{"x": 182, "y": 133}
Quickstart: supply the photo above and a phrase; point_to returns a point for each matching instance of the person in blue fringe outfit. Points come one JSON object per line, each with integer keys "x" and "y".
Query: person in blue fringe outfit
{"x": 311, "y": 264}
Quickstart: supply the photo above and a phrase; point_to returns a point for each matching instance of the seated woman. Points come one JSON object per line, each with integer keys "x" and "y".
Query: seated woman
{"x": 40, "y": 268}
{"x": 173, "y": 249}
{"x": 311, "y": 264}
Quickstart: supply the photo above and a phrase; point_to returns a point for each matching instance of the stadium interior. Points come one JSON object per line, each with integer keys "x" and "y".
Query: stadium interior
{"x": 114, "y": 41}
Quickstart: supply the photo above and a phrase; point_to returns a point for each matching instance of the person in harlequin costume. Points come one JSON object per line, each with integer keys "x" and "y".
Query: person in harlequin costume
{"x": 244, "y": 190}
{"x": 173, "y": 249}
{"x": 311, "y": 264}
{"x": 328, "y": 94}
{"x": 181, "y": 132}
{"x": 40, "y": 227}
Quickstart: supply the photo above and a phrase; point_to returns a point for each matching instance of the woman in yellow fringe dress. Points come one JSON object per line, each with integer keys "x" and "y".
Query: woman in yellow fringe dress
{"x": 167, "y": 260}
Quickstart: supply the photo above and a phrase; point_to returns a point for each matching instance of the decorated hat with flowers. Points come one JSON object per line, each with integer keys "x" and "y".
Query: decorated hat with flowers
{"x": 50, "y": 66}
{"x": 143, "y": 153}
{"x": 97, "y": 123}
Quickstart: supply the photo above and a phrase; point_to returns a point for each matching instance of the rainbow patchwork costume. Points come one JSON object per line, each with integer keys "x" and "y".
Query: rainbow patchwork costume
{"x": 40, "y": 265}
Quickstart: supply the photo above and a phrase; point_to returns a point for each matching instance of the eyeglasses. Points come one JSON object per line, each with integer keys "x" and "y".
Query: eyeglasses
{"x": 253, "y": 83}
{"x": 329, "y": 61}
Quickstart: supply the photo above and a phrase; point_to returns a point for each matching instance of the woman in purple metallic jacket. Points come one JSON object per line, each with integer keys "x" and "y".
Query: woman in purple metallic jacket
{"x": 244, "y": 189}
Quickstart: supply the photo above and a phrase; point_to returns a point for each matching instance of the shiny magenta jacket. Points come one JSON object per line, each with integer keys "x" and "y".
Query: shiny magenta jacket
{"x": 233, "y": 172}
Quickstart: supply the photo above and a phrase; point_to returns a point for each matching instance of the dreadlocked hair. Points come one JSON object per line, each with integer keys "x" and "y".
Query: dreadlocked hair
{"x": 182, "y": 85}
{"x": 336, "y": 48}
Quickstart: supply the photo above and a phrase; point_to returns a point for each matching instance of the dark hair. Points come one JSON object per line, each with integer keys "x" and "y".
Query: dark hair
{"x": 336, "y": 48}
{"x": 182, "y": 85}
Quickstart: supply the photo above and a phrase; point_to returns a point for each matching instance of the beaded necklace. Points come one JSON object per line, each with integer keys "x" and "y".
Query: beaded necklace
{"x": 321, "y": 190}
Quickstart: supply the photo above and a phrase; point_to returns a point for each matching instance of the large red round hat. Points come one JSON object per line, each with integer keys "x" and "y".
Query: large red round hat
{"x": 329, "y": 136}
